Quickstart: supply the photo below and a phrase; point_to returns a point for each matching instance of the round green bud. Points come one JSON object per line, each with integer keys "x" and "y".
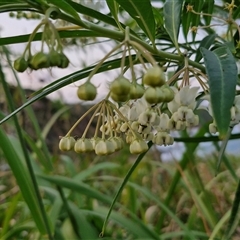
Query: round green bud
{"x": 87, "y": 91}
{"x": 11, "y": 14}
{"x": 136, "y": 91}
{"x": 20, "y": 64}
{"x": 54, "y": 58}
{"x": 168, "y": 93}
{"x": 138, "y": 146}
{"x": 67, "y": 143}
{"x": 64, "y": 61}
{"x": 120, "y": 86}
{"x": 83, "y": 145}
{"x": 154, "y": 77}
{"x": 104, "y": 147}
{"x": 153, "y": 95}
{"x": 39, "y": 60}
{"x": 119, "y": 98}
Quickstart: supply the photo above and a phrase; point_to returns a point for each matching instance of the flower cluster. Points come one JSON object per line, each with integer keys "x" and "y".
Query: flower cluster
{"x": 135, "y": 112}
{"x": 138, "y": 121}
{"x": 55, "y": 56}
{"x": 234, "y": 111}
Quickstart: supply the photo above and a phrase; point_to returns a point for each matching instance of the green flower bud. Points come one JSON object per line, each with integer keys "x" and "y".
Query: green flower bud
{"x": 138, "y": 146}
{"x": 104, "y": 147}
{"x": 168, "y": 93}
{"x": 136, "y": 91}
{"x": 119, "y": 98}
{"x": 39, "y": 60}
{"x": 20, "y": 64}
{"x": 153, "y": 95}
{"x": 83, "y": 146}
{"x": 67, "y": 143}
{"x": 87, "y": 91}
{"x": 54, "y": 58}
{"x": 154, "y": 77}
{"x": 117, "y": 142}
{"x": 64, "y": 61}
{"x": 120, "y": 86}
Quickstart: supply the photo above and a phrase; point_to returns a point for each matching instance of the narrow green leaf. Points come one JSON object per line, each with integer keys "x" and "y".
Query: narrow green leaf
{"x": 142, "y": 13}
{"x": 93, "y": 169}
{"x": 235, "y": 214}
{"x": 86, "y": 230}
{"x": 197, "y": 6}
{"x": 38, "y": 36}
{"x": 63, "y": 5}
{"x": 236, "y": 13}
{"x": 77, "y": 186}
{"x": 125, "y": 180}
{"x": 172, "y": 13}
{"x": 222, "y": 73}
{"x": 114, "y": 8}
{"x": 208, "y": 7}
{"x": 23, "y": 179}
{"x": 206, "y": 43}
{"x": 186, "y": 18}
{"x": 222, "y": 149}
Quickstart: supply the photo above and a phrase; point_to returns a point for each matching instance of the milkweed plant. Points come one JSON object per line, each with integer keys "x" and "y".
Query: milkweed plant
{"x": 176, "y": 80}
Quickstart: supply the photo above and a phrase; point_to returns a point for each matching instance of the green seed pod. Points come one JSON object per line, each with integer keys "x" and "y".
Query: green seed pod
{"x": 67, "y": 143}
{"x": 64, "y": 61}
{"x": 154, "y": 77}
{"x": 136, "y": 91}
{"x": 168, "y": 93}
{"x": 138, "y": 146}
{"x": 54, "y": 58}
{"x": 20, "y": 64}
{"x": 87, "y": 91}
{"x": 39, "y": 60}
{"x": 119, "y": 98}
{"x": 120, "y": 86}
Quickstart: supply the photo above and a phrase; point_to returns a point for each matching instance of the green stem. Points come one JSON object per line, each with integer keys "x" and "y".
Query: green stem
{"x": 90, "y": 121}
{"x": 119, "y": 36}
{"x": 80, "y": 119}
{"x": 95, "y": 70}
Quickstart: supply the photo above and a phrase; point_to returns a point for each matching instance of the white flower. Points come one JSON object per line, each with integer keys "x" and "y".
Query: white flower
{"x": 164, "y": 120}
{"x": 186, "y": 96}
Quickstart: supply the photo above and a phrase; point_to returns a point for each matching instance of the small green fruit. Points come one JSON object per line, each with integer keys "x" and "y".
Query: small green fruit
{"x": 20, "y": 64}
{"x": 39, "y": 60}
{"x": 120, "y": 86}
{"x": 136, "y": 91}
{"x": 154, "y": 77}
{"x": 87, "y": 91}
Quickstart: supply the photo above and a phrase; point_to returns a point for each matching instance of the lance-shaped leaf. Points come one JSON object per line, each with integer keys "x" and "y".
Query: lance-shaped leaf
{"x": 172, "y": 13}
{"x": 222, "y": 73}
{"x": 142, "y": 13}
